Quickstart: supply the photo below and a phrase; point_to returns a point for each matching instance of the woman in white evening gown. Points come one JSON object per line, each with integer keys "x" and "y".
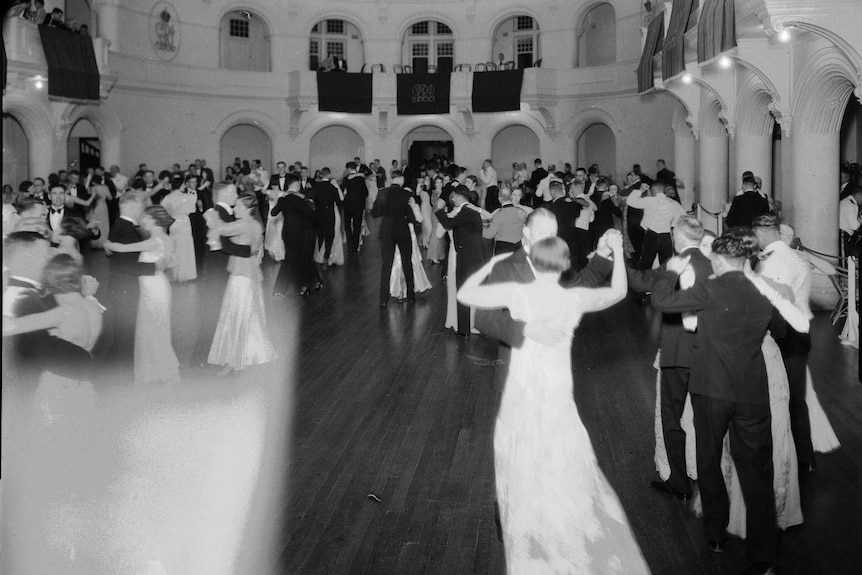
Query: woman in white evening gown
{"x": 274, "y": 242}
{"x": 181, "y": 203}
{"x": 155, "y": 359}
{"x": 241, "y": 338}
{"x": 436, "y": 245}
{"x": 558, "y": 512}
{"x": 99, "y": 210}
{"x": 397, "y": 281}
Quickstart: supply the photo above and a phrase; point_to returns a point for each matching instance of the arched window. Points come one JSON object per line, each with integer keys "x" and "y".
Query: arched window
{"x": 516, "y": 40}
{"x": 339, "y": 38}
{"x": 84, "y": 150}
{"x": 245, "y": 43}
{"x": 597, "y": 43}
{"x": 429, "y": 43}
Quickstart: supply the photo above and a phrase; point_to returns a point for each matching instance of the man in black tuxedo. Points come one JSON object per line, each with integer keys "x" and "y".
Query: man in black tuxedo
{"x": 466, "y": 225}
{"x": 215, "y": 275}
{"x": 729, "y": 390}
{"x": 77, "y": 190}
{"x": 25, "y": 255}
{"x": 566, "y": 210}
{"x": 678, "y": 344}
{"x": 398, "y": 209}
{"x": 748, "y": 205}
{"x": 355, "y": 194}
{"x": 118, "y": 343}
{"x": 539, "y": 174}
{"x": 279, "y": 179}
{"x": 665, "y": 175}
{"x": 327, "y": 199}
{"x": 305, "y": 183}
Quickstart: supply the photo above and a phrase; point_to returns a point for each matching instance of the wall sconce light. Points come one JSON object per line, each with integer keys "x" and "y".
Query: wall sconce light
{"x": 725, "y": 62}
{"x": 784, "y": 36}
{"x": 687, "y": 78}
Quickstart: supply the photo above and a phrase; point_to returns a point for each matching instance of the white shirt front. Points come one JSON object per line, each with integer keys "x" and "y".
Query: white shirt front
{"x": 488, "y": 176}
{"x": 783, "y": 265}
{"x": 659, "y": 211}
{"x": 848, "y": 215}
{"x": 55, "y": 217}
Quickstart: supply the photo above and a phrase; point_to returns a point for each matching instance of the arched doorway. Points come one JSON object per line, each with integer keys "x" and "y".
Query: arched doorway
{"x": 333, "y": 146}
{"x": 597, "y": 43}
{"x": 244, "y": 42}
{"x": 514, "y": 144}
{"x": 84, "y": 149}
{"x": 339, "y": 38}
{"x": 516, "y": 40}
{"x": 246, "y": 142}
{"x": 426, "y": 142}
{"x": 598, "y": 145}
{"x": 16, "y": 160}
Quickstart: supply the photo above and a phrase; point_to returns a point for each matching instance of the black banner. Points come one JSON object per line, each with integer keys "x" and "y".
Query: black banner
{"x": 423, "y": 93}
{"x": 344, "y": 92}
{"x": 497, "y": 91}
{"x": 72, "y": 69}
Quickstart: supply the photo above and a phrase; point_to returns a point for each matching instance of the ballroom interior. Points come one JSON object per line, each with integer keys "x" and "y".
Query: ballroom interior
{"x": 367, "y": 448}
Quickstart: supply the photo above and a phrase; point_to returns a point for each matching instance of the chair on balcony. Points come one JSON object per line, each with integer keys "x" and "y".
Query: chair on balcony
{"x": 379, "y": 67}
{"x": 362, "y": 70}
{"x": 537, "y": 63}
{"x": 432, "y": 69}
{"x": 480, "y": 67}
{"x": 510, "y": 65}
{"x": 463, "y": 68}
{"x": 490, "y": 66}
{"x": 398, "y": 68}
{"x": 408, "y": 69}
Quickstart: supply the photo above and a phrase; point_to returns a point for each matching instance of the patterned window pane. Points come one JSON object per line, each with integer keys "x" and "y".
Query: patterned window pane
{"x": 419, "y": 50}
{"x": 524, "y": 23}
{"x": 335, "y": 48}
{"x": 238, "y": 28}
{"x": 335, "y": 26}
{"x": 445, "y": 49}
{"x": 314, "y": 48}
{"x": 525, "y": 45}
{"x": 419, "y": 29}
{"x": 443, "y": 28}
{"x": 316, "y": 28}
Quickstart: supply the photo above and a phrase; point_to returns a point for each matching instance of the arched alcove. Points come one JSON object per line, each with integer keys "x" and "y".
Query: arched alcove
{"x": 598, "y": 145}
{"x": 16, "y": 160}
{"x": 84, "y": 148}
{"x": 514, "y": 143}
{"x": 79, "y": 12}
{"x": 428, "y": 43}
{"x": 337, "y": 37}
{"x": 244, "y": 42}
{"x": 597, "y": 43}
{"x": 851, "y": 132}
{"x": 333, "y": 146}
{"x": 424, "y": 142}
{"x": 246, "y": 142}
{"x": 517, "y": 39}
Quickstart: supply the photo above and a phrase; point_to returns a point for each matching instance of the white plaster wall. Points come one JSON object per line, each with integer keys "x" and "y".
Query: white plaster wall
{"x": 15, "y": 157}
{"x": 247, "y": 142}
{"x": 333, "y": 147}
{"x": 514, "y": 144}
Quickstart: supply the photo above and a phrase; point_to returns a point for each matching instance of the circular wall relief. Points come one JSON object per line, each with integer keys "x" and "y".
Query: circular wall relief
{"x": 165, "y": 30}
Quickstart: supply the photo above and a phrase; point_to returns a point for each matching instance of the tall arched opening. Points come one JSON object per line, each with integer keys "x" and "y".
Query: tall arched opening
{"x": 597, "y": 42}
{"x": 339, "y": 38}
{"x": 516, "y": 40}
{"x": 244, "y": 42}
{"x": 16, "y": 145}
{"x": 426, "y": 142}
{"x": 333, "y": 146}
{"x": 598, "y": 145}
{"x": 246, "y": 142}
{"x": 514, "y": 144}
{"x": 84, "y": 148}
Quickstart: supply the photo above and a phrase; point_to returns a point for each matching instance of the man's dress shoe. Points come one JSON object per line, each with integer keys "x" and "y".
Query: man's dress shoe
{"x": 716, "y": 545}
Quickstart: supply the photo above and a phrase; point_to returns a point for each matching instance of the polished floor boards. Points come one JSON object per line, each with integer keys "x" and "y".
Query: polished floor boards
{"x": 389, "y": 462}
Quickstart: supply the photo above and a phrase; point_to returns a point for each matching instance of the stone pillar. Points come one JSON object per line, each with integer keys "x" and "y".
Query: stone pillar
{"x": 712, "y": 185}
{"x": 684, "y": 163}
{"x": 754, "y": 153}
{"x": 108, "y": 23}
{"x": 41, "y": 156}
{"x": 110, "y": 151}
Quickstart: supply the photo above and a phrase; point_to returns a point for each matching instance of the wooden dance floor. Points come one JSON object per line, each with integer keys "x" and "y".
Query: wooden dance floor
{"x": 389, "y": 463}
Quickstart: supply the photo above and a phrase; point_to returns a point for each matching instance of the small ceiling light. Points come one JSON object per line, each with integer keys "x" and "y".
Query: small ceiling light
{"x": 686, "y": 78}
{"x": 784, "y": 36}
{"x": 725, "y": 62}
{"x": 39, "y": 84}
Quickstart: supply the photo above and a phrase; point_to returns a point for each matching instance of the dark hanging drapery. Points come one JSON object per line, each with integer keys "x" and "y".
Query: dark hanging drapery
{"x": 673, "y": 52}
{"x": 72, "y": 69}
{"x": 497, "y": 91}
{"x": 716, "y": 31}
{"x": 423, "y": 93}
{"x": 654, "y": 40}
{"x": 344, "y": 92}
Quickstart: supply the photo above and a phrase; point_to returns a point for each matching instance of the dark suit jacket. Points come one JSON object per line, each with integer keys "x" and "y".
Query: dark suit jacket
{"x": 355, "y": 191}
{"x": 392, "y": 206}
{"x": 566, "y": 212}
{"x": 326, "y": 198}
{"x": 124, "y": 232}
{"x": 732, "y": 319}
{"x": 745, "y": 208}
{"x": 39, "y": 350}
{"x": 677, "y": 344}
{"x": 298, "y": 220}
{"x": 274, "y": 182}
{"x": 537, "y": 176}
{"x": 498, "y": 323}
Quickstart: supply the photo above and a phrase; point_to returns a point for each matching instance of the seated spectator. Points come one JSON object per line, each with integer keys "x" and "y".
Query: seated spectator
{"x": 57, "y": 20}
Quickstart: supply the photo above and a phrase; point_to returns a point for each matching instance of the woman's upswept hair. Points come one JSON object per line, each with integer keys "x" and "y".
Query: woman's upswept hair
{"x": 739, "y": 242}
{"x": 62, "y": 274}
{"x": 250, "y": 203}
{"x": 161, "y": 216}
{"x": 550, "y": 255}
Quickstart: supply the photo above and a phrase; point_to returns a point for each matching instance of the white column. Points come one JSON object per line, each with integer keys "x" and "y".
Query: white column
{"x": 754, "y": 153}
{"x": 41, "y": 152}
{"x": 110, "y": 151}
{"x": 712, "y": 185}
{"x": 108, "y": 23}
{"x": 683, "y": 163}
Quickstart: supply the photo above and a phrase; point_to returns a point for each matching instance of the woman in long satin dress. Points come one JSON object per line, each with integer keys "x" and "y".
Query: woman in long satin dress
{"x": 155, "y": 359}
{"x": 558, "y": 512}
{"x": 180, "y": 204}
{"x": 241, "y": 338}
{"x": 436, "y": 245}
{"x": 99, "y": 210}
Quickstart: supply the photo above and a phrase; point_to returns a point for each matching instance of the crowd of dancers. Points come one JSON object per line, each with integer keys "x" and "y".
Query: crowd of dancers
{"x": 523, "y": 260}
